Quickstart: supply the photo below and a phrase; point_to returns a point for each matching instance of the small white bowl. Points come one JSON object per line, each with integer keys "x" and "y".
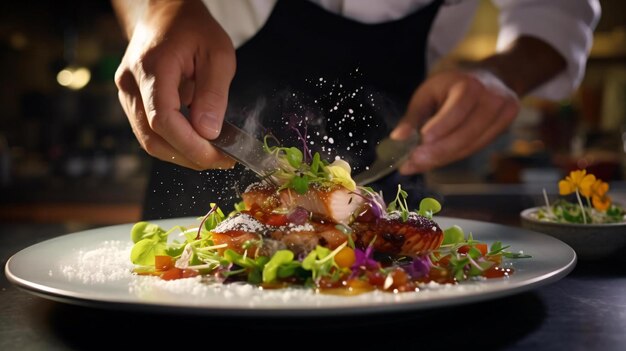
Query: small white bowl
{"x": 590, "y": 241}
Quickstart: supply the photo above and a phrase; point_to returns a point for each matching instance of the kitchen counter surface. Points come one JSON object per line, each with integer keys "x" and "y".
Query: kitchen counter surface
{"x": 586, "y": 310}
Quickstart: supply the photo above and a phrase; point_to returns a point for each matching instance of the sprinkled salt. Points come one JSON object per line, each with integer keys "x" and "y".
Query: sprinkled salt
{"x": 242, "y": 222}
{"x": 109, "y": 262}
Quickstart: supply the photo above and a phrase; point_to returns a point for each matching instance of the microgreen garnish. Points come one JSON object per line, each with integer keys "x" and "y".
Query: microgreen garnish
{"x": 428, "y": 207}
{"x": 400, "y": 204}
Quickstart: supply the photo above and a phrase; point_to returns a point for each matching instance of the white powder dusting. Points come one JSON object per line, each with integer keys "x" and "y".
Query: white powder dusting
{"x": 242, "y": 222}
{"x": 306, "y": 227}
{"x": 109, "y": 262}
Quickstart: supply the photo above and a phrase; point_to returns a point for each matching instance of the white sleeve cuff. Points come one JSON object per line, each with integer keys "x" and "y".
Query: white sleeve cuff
{"x": 568, "y": 32}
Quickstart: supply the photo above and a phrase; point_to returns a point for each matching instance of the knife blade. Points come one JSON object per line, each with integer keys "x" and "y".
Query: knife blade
{"x": 390, "y": 154}
{"x": 245, "y": 149}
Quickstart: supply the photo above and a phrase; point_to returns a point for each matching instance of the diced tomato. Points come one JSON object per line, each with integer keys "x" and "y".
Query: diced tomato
{"x": 376, "y": 278}
{"x": 189, "y": 273}
{"x": 177, "y": 273}
{"x": 276, "y": 220}
{"x": 172, "y": 273}
{"x": 163, "y": 263}
{"x": 481, "y": 247}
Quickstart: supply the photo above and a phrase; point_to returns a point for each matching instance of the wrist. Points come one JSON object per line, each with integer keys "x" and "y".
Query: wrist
{"x": 524, "y": 66}
{"x": 492, "y": 81}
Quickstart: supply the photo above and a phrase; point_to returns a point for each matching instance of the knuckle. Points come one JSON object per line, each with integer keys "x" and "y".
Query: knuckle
{"x": 150, "y": 145}
{"x": 157, "y": 120}
{"x": 122, "y": 78}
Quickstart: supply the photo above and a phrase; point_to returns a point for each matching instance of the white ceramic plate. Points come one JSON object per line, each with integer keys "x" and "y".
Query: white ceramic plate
{"x": 92, "y": 268}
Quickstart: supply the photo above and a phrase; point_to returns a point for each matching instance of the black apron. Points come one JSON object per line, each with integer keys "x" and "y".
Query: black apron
{"x": 310, "y": 74}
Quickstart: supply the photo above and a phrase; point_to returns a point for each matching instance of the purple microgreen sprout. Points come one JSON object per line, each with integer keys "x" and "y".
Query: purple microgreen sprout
{"x": 363, "y": 260}
{"x": 419, "y": 267}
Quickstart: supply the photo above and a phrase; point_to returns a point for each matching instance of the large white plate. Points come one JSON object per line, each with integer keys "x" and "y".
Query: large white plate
{"x": 91, "y": 268}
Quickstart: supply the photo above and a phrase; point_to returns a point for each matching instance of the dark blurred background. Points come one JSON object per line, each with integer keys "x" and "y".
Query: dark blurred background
{"x": 67, "y": 154}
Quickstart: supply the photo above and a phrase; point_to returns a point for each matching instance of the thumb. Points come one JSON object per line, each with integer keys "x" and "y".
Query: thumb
{"x": 210, "y": 97}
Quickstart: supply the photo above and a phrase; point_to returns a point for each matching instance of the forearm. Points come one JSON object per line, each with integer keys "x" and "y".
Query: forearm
{"x": 526, "y": 64}
{"x": 128, "y": 13}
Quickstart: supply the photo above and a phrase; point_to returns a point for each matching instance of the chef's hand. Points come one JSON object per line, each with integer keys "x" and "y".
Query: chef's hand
{"x": 178, "y": 55}
{"x": 460, "y": 112}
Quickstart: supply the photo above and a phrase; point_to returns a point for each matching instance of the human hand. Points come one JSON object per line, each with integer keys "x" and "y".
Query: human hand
{"x": 178, "y": 55}
{"x": 461, "y": 112}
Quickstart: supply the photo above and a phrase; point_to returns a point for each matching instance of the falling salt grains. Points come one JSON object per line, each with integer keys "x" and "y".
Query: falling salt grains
{"x": 331, "y": 140}
{"x": 351, "y": 110}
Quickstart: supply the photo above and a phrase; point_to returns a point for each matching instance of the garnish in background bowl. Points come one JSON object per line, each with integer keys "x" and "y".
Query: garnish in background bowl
{"x": 593, "y": 205}
{"x": 588, "y": 221}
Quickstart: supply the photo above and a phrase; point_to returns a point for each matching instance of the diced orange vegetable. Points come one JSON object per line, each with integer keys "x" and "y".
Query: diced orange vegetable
{"x": 163, "y": 263}
{"x": 355, "y": 283}
{"x": 172, "y": 273}
{"x": 480, "y": 247}
{"x": 345, "y": 257}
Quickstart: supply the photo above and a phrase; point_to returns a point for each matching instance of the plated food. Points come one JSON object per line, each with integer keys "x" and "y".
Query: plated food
{"x": 309, "y": 225}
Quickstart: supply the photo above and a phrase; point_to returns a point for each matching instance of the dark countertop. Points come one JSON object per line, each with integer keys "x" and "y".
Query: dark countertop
{"x": 585, "y": 310}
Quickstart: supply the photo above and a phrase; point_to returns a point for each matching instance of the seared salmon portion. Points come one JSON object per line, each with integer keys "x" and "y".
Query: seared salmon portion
{"x": 335, "y": 203}
{"x": 392, "y": 235}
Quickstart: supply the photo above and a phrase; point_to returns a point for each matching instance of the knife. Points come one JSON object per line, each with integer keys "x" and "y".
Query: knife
{"x": 390, "y": 154}
{"x": 245, "y": 148}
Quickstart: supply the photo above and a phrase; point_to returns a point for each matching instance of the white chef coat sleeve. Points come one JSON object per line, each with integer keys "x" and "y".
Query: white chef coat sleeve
{"x": 567, "y": 25}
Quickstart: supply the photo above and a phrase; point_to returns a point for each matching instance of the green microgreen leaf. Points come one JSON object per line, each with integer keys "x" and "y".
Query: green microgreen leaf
{"x": 279, "y": 258}
{"x": 428, "y": 207}
{"x": 240, "y": 206}
{"x": 400, "y": 204}
{"x": 300, "y": 184}
{"x": 144, "y": 230}
{"x": 453, "y": 235}
{"x": 145, "y": 250}
{"x": 294, "y": 156}
{"x": 316, "y": 163}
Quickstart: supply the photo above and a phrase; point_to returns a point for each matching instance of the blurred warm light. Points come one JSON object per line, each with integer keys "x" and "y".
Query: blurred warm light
{"x": 18, "y": 41}
{"x": 74, "y": 78}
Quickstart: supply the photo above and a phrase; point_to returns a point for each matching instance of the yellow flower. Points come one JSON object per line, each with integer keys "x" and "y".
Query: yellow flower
{"x": 577, "y": 180}
{"x": 340, "y": 174}
{"x": 601, "y": 203}
{"x": 599, "y": 188}
{"x": 600, "y": 200}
